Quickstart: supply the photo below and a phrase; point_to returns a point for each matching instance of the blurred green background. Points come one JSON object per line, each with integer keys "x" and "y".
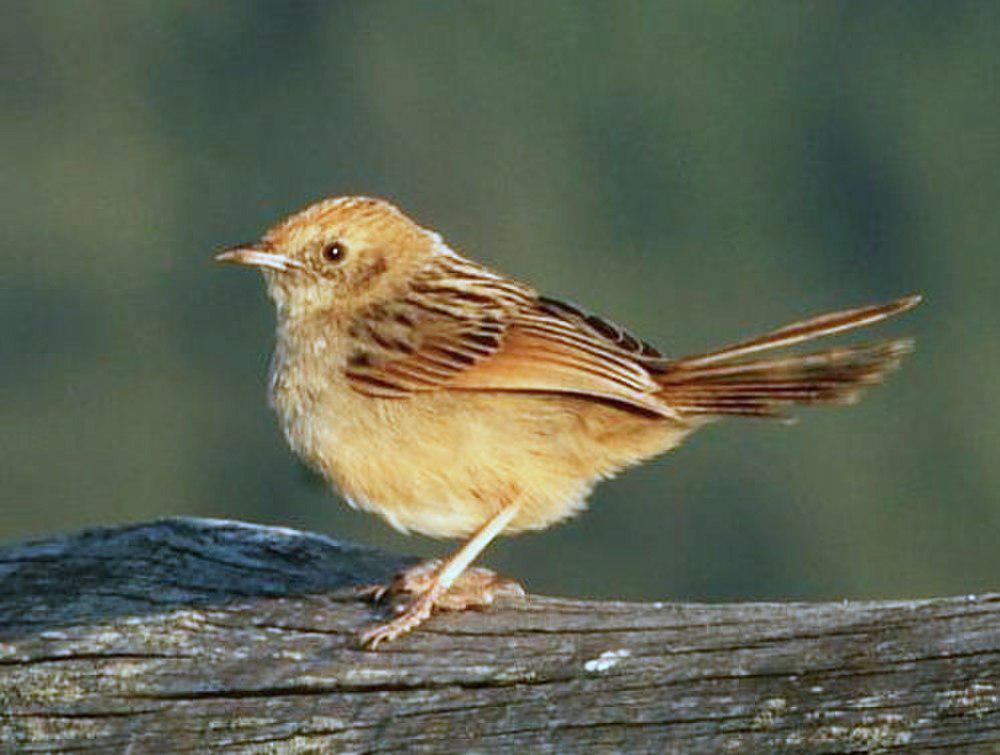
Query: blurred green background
{"x": 697, "y": 171}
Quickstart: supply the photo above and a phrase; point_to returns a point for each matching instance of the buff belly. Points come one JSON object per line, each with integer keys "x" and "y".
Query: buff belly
{"x": 443, "y": 463}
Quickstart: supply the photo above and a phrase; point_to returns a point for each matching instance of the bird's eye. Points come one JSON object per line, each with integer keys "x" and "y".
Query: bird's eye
{"x": 334, "y": 252}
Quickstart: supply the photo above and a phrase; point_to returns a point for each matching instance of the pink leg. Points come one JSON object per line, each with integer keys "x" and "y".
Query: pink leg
{"x": 431, "y": 583}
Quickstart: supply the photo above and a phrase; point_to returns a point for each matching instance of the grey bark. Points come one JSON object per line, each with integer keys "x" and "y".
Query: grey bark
{"x": 193, "y": 635}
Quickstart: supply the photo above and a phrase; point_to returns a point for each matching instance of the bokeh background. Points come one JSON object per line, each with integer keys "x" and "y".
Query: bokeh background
{"x": 697, "y": 171}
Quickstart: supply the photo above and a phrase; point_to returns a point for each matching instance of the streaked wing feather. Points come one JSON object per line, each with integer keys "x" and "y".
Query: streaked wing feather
{"x": 608, "y": 332}
{"x": 533, "y": 362}
{"x": 461, "y": 326}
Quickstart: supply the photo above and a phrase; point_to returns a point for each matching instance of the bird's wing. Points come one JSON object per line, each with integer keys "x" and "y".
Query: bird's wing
{"x": 606, "y": 331}
{"x": 463, "y": 327}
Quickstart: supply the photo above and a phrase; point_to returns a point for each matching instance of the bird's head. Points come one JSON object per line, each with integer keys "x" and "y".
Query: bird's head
{"x": 337, "y": 256}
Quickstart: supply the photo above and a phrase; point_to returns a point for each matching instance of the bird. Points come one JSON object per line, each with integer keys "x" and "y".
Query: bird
{"x": 457, "y": 402}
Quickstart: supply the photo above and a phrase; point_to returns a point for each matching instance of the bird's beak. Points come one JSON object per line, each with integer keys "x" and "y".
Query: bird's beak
{"x": 253, "y": 255}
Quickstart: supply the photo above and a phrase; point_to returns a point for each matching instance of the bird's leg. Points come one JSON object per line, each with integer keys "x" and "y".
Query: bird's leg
{"x": 476, "y": 587}
{"x": 431, "y": 584}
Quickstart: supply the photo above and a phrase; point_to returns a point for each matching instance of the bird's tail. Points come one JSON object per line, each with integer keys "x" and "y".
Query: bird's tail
{"x": 729, "y": 381}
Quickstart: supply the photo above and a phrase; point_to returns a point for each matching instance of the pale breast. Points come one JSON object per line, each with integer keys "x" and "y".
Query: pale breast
{"x": 442, "y": 463}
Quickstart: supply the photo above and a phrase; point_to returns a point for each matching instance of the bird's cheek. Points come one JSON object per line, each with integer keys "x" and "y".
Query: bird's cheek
{"x": 366, "y": 276}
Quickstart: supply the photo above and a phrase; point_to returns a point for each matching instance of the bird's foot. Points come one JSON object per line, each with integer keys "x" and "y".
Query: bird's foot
{"x": 417, "y": 591}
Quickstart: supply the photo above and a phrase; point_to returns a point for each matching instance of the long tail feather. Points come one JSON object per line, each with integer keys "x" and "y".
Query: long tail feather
{"x": 724, "y": 382}
{"x": 806, "y": 330}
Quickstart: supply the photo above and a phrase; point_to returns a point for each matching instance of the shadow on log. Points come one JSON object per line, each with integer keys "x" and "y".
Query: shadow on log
{"x": 192, "y": 634}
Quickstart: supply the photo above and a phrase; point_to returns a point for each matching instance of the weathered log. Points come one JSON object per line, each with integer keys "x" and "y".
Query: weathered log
{"x": 192, "y": 634}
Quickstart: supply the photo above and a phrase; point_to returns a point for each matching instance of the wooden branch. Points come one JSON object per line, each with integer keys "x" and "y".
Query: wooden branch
{"x": 194, "y": 634}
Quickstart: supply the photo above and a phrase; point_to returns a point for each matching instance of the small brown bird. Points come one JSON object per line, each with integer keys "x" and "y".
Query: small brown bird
{"x": 457, "y": 402}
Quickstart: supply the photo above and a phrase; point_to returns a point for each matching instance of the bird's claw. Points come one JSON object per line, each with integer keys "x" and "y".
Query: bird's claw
{"x": 476, "y": 588}
{"x": 373, "y": 593}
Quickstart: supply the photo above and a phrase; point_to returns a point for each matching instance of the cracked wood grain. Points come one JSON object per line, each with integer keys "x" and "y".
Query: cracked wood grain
{"x": 188, "y": 635}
